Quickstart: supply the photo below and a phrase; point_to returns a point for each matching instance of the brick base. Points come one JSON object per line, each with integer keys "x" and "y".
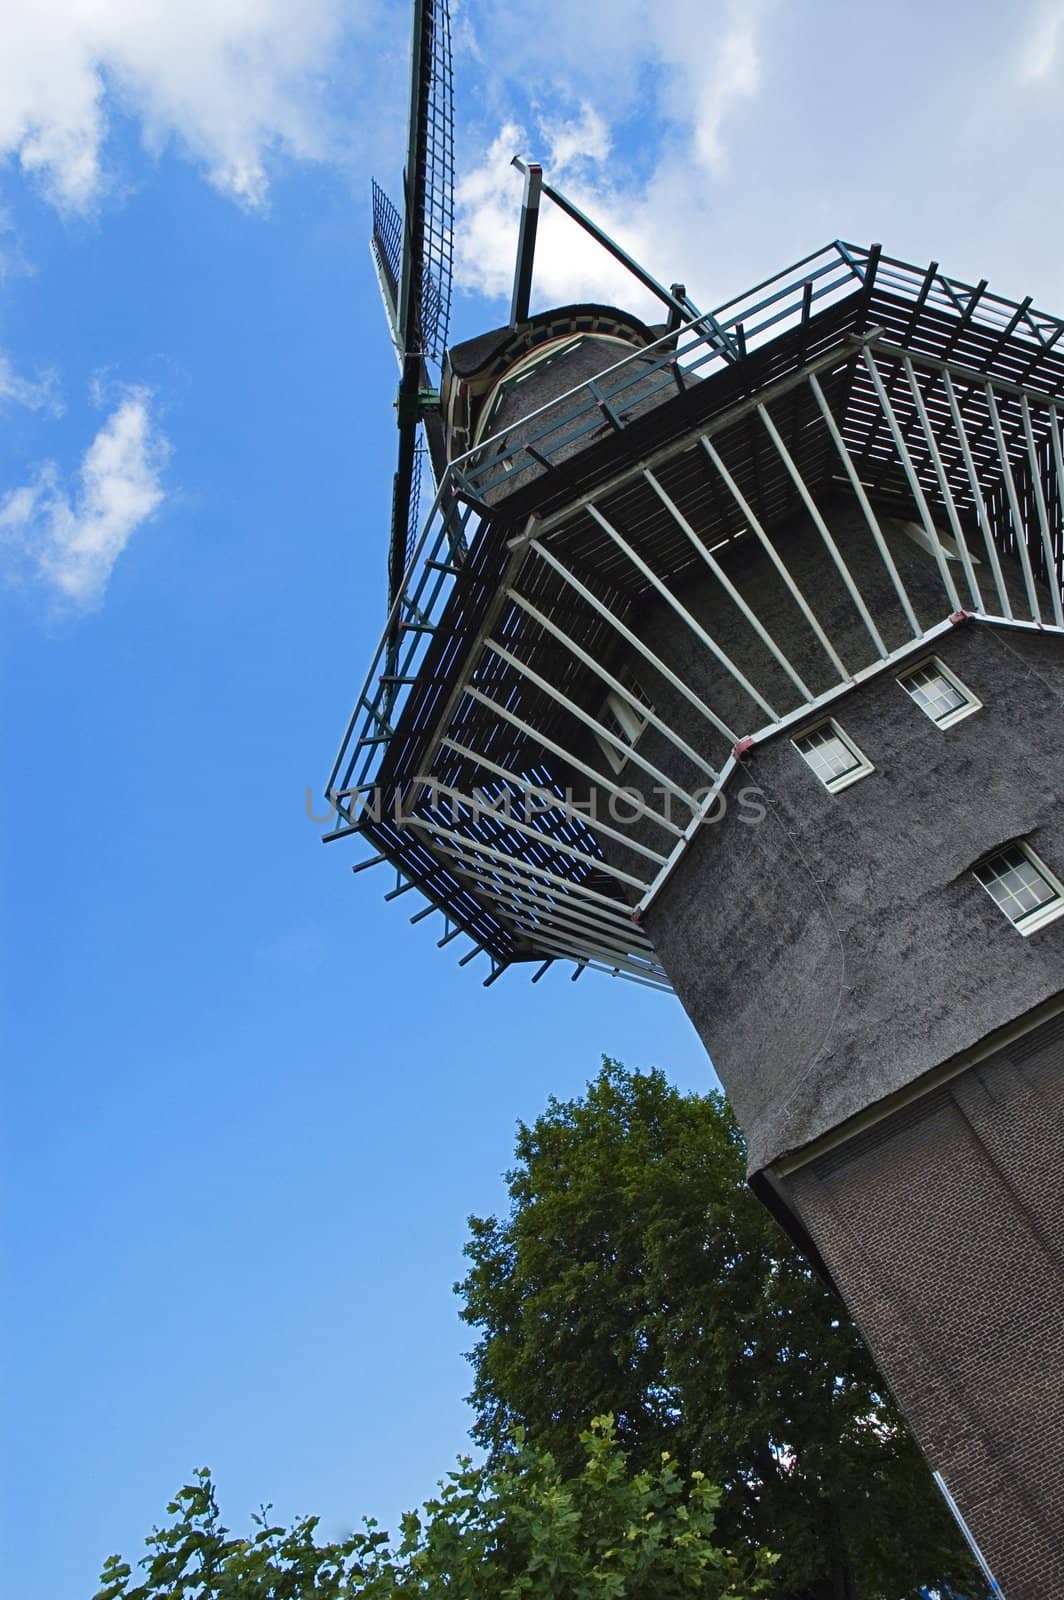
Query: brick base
{"x": 943, "y": 1227}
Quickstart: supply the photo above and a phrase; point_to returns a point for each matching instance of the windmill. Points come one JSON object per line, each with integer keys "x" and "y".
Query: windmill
{"x": 413, "y": 253}
{"x": 809, "y": 548}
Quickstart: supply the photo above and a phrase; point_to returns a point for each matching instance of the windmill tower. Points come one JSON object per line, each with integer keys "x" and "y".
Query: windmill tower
{"x": 730, "y": 660}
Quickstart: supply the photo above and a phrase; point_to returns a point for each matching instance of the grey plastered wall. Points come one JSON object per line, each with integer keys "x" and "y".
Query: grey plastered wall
{"x": 840, "y": 948}
{"x": 944, "y": 1227}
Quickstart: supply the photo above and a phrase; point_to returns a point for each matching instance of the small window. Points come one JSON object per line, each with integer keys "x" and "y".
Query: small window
{"x": 620, "y": 716}
{"x": 950, "y": 548}
{"x": 1022, "y": 887}
{"x": 832, "y": 755}
{"x": 939, "y": 693}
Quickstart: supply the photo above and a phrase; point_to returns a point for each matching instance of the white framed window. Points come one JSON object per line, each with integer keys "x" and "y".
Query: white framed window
{"x": 939, "y": 693}
{"x": 1022, "y": 886}
{"x": 620, "y": 716}
{"x": 832, "y": 755}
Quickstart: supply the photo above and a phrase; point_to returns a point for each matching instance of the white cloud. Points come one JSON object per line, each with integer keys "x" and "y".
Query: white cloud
{"x": 485, "y": 203}
{"x": 1042, "y": 47}
{"x": 573, "y": 139}
{"x": 734, "y": 77}
{"x": 700, "y": 90}
{"x": 71, "y": 543}
{"x": 232, "y": 81}
{"x": 39, "y": 395}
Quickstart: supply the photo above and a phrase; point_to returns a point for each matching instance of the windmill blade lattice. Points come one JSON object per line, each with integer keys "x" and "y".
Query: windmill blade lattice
{"x": 387, "y": 246}
{"x": 413, "y": 253}
{"x": 436, "y": 222}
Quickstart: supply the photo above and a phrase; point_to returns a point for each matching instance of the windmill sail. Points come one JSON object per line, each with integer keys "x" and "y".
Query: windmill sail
{"x": 437, "y": 213}
{"x": 413, "y": 255}
{"x": 386, "y": 246}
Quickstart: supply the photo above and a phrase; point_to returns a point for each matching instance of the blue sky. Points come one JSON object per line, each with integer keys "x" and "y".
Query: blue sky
{"x": 247, "y": 1107}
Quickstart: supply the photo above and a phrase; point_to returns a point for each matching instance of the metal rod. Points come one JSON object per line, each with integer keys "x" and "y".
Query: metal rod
{"x": 682, "y": 307}
{"x": 1043, "y": 515}
{"x": 615, "y": 972}
{"x": 523, "y": 872}
{"x": 556, "y": 844}
{"x": 629, "y": 977}
{"x": 371, "y": 861}
{"x": 526, "y": 244}
{"x": 830, "y": 250}
{"x": 773, "y": 554}
{"x": 729, "y": 588}
{"x": 1058, "y": 464}
{"x": 1017, "y": 622}
{"x": 596, "y": 777}
{"x": 392, "y": 618}
{"x": 402, "y": 888}
{"x": 445, "y": 710}
{"x": 1014, "y": 508}
{"x": 667, "y": 595}
{"x": 646, "y": 712}
{"x": 634, "y": 640}
{"x": 914, "y": 482}
{"x": 822, "y": 528}
{"x": 425, "y": 825}
{"x": 863, "y": 501}
{"x": 556, "y": 801}
{"x": 977, "y": 494}
{"x": 689, "y": 833}
{"x": 534, "y": 920}
{"x": 560, "y": 941}
{"x": 550, "y": 846}
{"x": 559, "y": 913}
{"x": 943, "y": 484}
{"x": 629, "y": 752}
{"x": 904, "y": 652}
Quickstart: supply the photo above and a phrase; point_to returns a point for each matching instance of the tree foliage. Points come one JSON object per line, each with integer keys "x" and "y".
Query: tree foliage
{"x": 518, "y": 1530}
{"x": 636, "y": 1274}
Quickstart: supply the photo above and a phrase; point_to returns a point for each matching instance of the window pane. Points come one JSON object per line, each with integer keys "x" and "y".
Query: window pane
{"x": 1016, "y": 883}
{"x": 828, "y": 754}
{"x": 611, "y": 719}
{"x": 620, "y": 716}
{"x": 935, "y": 693}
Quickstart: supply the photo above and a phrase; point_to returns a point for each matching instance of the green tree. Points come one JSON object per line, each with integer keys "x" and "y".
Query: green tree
{"x": 636, "y": 1274}
{"x": 518, "y": 1530}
